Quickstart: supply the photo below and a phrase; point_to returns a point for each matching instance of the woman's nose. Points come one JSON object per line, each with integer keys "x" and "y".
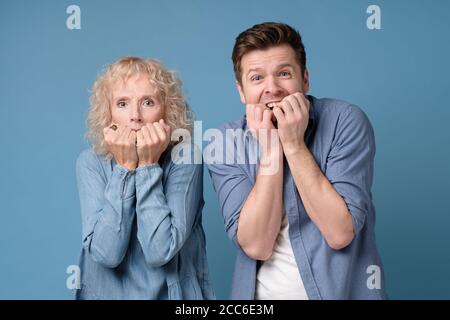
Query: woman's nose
{"x": 135, "y": 115}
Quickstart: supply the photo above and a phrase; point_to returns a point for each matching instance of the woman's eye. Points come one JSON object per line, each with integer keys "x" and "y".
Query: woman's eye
{"x": 149, "y": 102}
{"x": 121, "y": 104}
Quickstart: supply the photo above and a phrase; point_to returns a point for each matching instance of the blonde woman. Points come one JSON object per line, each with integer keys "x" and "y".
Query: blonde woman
{"x": 142, "y": 231}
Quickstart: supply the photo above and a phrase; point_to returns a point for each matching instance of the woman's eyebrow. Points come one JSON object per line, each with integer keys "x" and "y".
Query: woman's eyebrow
{"x": 121, "y": 98}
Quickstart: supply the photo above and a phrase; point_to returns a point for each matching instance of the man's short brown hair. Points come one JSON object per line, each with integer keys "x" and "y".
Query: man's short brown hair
{"x": 264, "y": 36}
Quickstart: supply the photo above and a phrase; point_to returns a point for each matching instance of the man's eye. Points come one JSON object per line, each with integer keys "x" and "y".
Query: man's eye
{"x": 149, "y": 103}
{"x": 255, "y": 78}
{"x": 285, "y": 73}
{"x": 121, "y": 104}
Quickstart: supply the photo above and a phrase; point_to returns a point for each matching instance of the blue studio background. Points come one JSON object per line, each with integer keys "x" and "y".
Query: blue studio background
{"x": 398, "y": 75}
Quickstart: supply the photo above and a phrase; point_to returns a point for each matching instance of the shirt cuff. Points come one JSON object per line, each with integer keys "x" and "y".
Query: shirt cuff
{"x": 126, "y": 179}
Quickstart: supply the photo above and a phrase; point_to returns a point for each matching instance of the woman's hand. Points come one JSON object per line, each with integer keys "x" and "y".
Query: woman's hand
{"x": 122, "y": 145}
{"x": 152, "y": 140}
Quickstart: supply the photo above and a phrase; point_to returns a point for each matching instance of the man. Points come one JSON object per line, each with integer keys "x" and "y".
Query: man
{"x": 302, "y": 217}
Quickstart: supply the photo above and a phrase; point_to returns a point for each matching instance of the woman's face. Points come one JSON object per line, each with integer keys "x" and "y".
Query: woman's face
{"x": 135, "y": 102}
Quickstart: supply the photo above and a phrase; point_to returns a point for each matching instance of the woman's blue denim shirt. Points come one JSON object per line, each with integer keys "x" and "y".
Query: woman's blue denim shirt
{"x": 142, "y": 230}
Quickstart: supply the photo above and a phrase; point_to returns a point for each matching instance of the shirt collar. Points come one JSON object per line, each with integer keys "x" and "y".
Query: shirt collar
{"x": 312, "y": 101}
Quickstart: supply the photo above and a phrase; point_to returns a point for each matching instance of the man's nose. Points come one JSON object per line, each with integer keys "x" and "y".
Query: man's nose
{"x": 272, "y": 86}
{"x": 135, "y": 113}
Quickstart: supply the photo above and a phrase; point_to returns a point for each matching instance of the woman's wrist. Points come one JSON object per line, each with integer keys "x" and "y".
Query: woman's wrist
{"x": 145, "y": 163}
{"x": 128, "y": 165}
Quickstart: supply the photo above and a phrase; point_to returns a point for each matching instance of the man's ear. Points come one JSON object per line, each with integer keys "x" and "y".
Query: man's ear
{"x": 305, "y": 81}
{"x": 241, "y": 92}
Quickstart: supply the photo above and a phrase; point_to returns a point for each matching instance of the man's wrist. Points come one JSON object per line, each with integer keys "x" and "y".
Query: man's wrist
{"x": 293, "y": 150}
{"x": 272, "y": 153}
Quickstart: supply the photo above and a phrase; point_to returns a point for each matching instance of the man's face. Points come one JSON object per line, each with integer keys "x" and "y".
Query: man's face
{"x": 270, "y": 75}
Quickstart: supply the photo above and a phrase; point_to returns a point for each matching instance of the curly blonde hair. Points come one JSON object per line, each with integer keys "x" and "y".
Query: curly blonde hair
{"x": 178, "y": 115}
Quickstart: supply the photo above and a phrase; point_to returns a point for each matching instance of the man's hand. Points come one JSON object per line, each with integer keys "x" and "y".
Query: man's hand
{"x": 122, "y": 145}
{"x": 259, "y": 121}
{"x": 292, "y": 115}
{"x": 152, "y": 140}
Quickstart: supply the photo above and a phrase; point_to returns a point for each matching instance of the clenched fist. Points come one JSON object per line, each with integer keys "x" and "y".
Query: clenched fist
{"x": 122, "y": 145}
{"x": 152, "y": 140}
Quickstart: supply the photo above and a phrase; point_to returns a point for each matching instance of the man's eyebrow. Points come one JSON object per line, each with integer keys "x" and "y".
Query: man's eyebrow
{"x": 284, "y": 65}
{"x": 254, "y": 70}
{"x": 280, "y": 66}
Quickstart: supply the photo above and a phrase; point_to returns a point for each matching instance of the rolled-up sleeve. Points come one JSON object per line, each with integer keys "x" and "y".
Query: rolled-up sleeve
{"x": 232, "y": 186}
{"x": 350, "y": 163}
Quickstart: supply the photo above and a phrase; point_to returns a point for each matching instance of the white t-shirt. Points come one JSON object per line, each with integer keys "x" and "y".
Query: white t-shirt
{"x": 278, "y": 278}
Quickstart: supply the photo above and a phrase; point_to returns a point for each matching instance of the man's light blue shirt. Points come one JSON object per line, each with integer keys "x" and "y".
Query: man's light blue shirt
{"x": 341, "y": 139}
